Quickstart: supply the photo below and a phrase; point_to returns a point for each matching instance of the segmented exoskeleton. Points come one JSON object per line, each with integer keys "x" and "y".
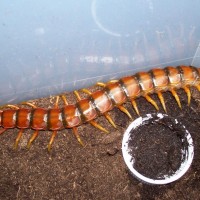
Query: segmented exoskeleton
{"x": 113, "y": 94}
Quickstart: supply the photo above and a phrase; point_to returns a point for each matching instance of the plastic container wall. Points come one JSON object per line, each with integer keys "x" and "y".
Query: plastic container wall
{"x": 48, "y": 47}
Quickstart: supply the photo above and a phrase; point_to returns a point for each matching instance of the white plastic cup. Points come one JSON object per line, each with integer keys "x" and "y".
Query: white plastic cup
{"x": 129, "y": 160}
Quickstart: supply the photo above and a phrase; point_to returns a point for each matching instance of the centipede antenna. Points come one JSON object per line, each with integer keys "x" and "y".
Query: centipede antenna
{"x": 187, "y": 90}
{"x": 150, "y": 100}
{"x": 95, "y": 124}
{"x": 29, "y": 104}
{"x": 101, "y": 84}
{"x": 33, "y": 137}
{"x": 78, "y": 97}
{"x": 108, "y": 117}
{"x": 176, "y": 97}
{"x": 160, "y": 96}
{"x": 134, "y": 104}
{"x": 124, "y": 110}
{"x": 75, "y": 131}
{"x": 18, "y": 138}
{"x": 86, "y": 91}
{"x": 64, "y": 99}
{"x": 51, "y": 140}
{"x": 2, "y": 130}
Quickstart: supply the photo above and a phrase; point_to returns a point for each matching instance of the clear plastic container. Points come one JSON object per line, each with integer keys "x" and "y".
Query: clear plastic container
{"x": 48, "y": 47}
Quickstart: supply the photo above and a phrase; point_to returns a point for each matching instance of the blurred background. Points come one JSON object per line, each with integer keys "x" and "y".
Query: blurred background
{"x": 48, "y": 47}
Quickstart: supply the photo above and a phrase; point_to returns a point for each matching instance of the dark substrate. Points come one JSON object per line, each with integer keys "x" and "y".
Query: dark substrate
{"x": 97, "y": 170}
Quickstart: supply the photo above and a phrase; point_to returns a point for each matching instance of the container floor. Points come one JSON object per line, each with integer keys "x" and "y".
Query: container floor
{"x": 97, "y": 170}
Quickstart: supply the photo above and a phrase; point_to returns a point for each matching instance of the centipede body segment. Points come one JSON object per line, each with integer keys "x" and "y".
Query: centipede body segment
{"x": 112, "y": 94}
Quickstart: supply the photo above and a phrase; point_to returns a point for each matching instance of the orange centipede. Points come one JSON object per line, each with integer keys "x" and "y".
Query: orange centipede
{"x": 112, "y": 94}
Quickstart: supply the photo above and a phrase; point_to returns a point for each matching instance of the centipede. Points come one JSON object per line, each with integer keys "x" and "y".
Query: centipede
{"x": 98, "y": 103}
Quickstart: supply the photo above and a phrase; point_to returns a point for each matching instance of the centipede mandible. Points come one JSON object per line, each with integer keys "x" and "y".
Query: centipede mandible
{"x": 111, "y": 94}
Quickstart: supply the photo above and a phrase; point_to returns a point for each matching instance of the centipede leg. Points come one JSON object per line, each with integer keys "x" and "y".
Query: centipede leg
{"x": 22, "y": 130}
{"x": 51, "y": 140}
{"x": 123, "y": 109}
{"x": 101, "y": 84}
{"x": 10, "y": 106}
{"x": 198, "y": 87}
{"x": 150, "y": 100}
{"x": 64, "y": 100}
{"x": 160, "y": 96}
{"x": 135, "y": 106}
{"x": 56, "y": 103}
{"x": 187, "y": 90}
{"x": 29, "y": 104}
{"x": 33, "y": 137}
{"x": 54, "y": 132}
{"x": 75, "y": 131}
{"x": 18, "y": 138}
{"x": 107, "y": 116}
{"x": 86, "y": 91}
{"x": 93, "y": 123}
{"x": 78, "y": 97}
{"x": 113, "y": 81}
{"x": 176, "y": 97}
{"x": 2, "y": 130}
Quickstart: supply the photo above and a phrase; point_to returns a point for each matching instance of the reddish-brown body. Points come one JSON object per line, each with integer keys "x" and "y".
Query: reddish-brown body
{"x": 114, "y": 93}
{"x": 102, "y": 101}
